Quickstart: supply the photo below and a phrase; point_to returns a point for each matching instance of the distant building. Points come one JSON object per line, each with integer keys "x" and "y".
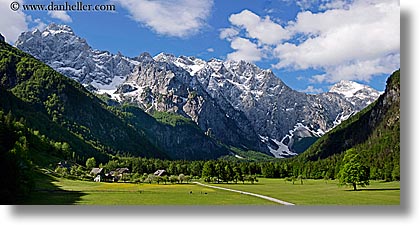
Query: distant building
{"x": 98, "y": 173}
{"x": 112, "y": 176}
{"x": 117, "y": 174}
{"x": 2, "y": 38}
{"x": 121, "y": 171}
{"x": 160, "y": 172}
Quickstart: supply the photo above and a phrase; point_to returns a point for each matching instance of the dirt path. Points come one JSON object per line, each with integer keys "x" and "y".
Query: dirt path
{"x": 248, "y": 193}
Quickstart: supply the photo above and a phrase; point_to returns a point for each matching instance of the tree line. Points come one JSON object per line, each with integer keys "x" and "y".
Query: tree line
{"x": 219, "y": 171}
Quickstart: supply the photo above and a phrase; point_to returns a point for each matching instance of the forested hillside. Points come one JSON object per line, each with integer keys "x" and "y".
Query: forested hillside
{"x": 63, "y": 110}
{"x": 374, "y": 133}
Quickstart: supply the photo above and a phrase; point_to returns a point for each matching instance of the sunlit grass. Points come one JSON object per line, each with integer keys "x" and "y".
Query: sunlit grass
{"x": 65, "y": 191}
{"x": 320, "y": 192}
{"x": 52, "y": 190}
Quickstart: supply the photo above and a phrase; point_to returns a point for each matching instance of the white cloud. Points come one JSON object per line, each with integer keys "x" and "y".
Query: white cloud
{"x": 305, "y": 4}
{"x": 347, "y": 44}
{"x": 263, "y": 29}
{"x": 245, "y": 50}
{"x": 313, "y": 90}
{"x": 260, "y": 35}
{"x": 335, "y": 4}
{"x": 228, "y": 33}
{"x": 40, "y": 25}
{"x": 178, "y": 18}
{"x": 210, "y": 50}
{"x": 320, "y": 4}
{"x": 12, "y": 23}
{"x": 359, "y": 70}
{"x": 351, "y": 40}
{"x": 61, "y": 15}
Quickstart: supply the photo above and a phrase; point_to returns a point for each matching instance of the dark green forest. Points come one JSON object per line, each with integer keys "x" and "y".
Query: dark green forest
{"x": 62, "y": 109}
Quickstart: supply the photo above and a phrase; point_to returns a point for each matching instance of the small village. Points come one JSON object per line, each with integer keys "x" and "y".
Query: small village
{"x": 70, "y": 170}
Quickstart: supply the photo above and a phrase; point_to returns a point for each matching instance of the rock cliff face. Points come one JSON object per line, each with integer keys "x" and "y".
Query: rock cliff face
{"x": 70, "y": 55}
{"x": 159, "y": 85}
{"x": 233, "y": 102}
{"x": 237, "y": 102}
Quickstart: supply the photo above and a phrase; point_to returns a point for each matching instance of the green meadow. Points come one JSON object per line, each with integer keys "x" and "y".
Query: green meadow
{"x": 60, "y": 191}
{"x": 321, "y": 192}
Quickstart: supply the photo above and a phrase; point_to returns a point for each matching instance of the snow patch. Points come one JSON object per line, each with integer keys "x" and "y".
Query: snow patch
{"x": 281, "y": 152}
{"x": 111, "y": 93}
{"x": 115, "y": 82}
{"x": 341, "y": 117}
{"x": 346, "y": 88}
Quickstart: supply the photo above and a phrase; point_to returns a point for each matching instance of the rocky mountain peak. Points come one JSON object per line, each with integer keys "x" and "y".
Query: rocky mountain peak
{"x": 59, "y": 47}
{"x": 358, "y": 94}
{"x": 241, "y": 104}
{"x": 58, "y": 28}
{"x": 164, "y": 57}
{"x": 347, "y": 88}
{"x": 144, "y": 57}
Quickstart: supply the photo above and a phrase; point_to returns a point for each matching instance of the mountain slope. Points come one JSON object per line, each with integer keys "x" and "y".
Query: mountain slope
{"x": 237, "y": 103}
{"x": 161, "y": 86}
{"x": 180, "y": 137}
{"x": 241, "y": 104}
{"x": 63, "y": 110}
{"x": 375, "y": 130}
{"x": 70, "y": 55}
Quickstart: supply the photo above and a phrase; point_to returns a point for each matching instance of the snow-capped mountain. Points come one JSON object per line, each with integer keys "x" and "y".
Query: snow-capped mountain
{"x": 237, "y": 103}
{"x": 60, "y": 48}
{"x": 358, "y": 94}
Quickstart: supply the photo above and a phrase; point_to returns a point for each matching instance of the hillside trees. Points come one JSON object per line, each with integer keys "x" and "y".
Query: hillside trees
{"x": 208, "y": 170}
{"x": 19, "y": 148}
{"x": 90, "y": 163}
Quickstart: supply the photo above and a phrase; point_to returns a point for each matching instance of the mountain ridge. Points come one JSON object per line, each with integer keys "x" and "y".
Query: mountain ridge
{"x": 237, "y": 102}
{"x": 380, "y": 121}
{"x": 63, "y": 110}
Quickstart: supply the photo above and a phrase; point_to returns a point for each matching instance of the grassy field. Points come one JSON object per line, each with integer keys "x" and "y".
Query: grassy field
{"x": 64, "y": 191}
{"x": 56, "y": 191}
{"x": 318, "y": 192}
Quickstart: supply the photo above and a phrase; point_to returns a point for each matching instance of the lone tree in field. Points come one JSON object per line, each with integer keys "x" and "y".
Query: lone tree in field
{"x": 181, "y": 178}
{"x": 353, "y": 172}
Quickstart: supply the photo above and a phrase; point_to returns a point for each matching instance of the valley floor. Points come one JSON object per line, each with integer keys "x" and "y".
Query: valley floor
{"x": 321, "y": 192}
{"x": 52, "y": 191}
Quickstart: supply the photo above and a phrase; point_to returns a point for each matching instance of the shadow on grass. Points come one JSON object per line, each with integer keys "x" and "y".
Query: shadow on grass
{"x": 47, "y": 193}
{"x": 374, "y": 189}
{"x": 378, "y": 189}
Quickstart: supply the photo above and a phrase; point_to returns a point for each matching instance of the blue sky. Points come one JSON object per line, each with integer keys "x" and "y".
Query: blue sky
{"x": 309, "y": 44}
